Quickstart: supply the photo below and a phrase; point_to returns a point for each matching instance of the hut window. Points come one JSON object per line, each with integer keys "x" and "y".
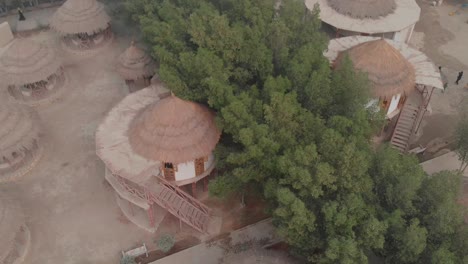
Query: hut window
{"x": 171, "y": 166}
{"x": 384, "y": 104}
{"x": 169, "y": 171}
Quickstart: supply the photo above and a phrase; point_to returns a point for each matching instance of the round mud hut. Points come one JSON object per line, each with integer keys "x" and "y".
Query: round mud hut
{"x": 83, "y": 24}
{"x": 136, "y": 67}
{"x": 19, "y": 140}
{"x": 153, "y": 145}
{"x": 402, "y": 80}
{"x": 15, "y": 237}
{"x": 32, "y": 72}
{"x": 392, "y": 19}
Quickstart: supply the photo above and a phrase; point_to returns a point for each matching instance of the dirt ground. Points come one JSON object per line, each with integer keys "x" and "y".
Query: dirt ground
{"x": 71, "y": 209}
{"x": 443, "y": 38}
{"x": 72, "y": 213}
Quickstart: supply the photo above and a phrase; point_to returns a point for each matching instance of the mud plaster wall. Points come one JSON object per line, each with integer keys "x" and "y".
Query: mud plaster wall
{"x": 5, "y": 34}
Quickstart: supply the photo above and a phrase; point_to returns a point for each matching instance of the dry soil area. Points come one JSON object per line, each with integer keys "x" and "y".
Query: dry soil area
{"x": 444, "y": 39}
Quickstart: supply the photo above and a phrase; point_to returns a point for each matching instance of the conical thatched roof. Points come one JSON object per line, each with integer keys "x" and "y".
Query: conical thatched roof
{"x": 389, "y": 72}
{"x": 27, "y": 61}
{"x": 134, "y": 64}
{"x": 19, "y": 128}
{"x": 174, "y": 130}
{"x": 80, "y": 16}
{"x": 11, "y": 220}
{"x": 362, "y": 9}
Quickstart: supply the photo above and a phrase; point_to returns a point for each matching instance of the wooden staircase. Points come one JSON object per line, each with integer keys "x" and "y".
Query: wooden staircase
{"x": 170, "y": 197}
{"x": 180, "y": 204}
{"x": 404, "y": 127}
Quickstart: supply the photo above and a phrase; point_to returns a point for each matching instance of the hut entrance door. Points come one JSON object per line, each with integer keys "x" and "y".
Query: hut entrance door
{"x": 199, "y": 166}
{"x": 169, "y": 173}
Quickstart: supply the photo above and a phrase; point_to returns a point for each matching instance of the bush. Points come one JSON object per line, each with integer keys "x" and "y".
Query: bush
{"x": 127, "y": 260}
{"x": 165, "y": 243}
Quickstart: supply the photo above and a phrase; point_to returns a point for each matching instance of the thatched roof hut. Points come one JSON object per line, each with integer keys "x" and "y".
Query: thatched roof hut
{"x": 361, "y": 9}
{"x": 11, "y": 221}
{"x": 26, "y": 61}
{"x": 135, "y": 64}
{"x": 368, "y": 16}
{"x": 19, "y": 129}
{"x": 174, "y": 130}
{"x": 427, "y": 73}
{"x": 389, "y": 72}
{"x": 80, "y": 16}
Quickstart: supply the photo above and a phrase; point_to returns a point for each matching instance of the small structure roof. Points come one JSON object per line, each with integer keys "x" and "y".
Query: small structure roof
{"x": 134, "y": 64}
{"x": 368, "y": 16}
{"x": 174, "y": 130}
{"x": 80, "y": 16}
{"x": 26, "y": 61}
{"x": 362, "y": 9}
{"x": 112, "y": 144}
{"x": 388, "y": 71}
{"x": 11, "y": 220}
{"x": 426, "y": 72}
{"x": 19, "y": 128}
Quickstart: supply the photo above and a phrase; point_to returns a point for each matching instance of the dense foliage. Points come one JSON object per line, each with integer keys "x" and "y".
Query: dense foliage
{"x": 299, "y": 132}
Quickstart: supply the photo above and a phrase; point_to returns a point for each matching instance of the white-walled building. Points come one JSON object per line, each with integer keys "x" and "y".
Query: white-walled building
{"x": 402, "y": 80}
{"x": 392, "y": 19}
{"x": 153, "y": 144}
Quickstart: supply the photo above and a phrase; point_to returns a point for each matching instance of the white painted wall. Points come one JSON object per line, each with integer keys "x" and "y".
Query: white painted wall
{"x": 187, "y": 170}
{"x": 404, "y": 35}
{"x": 394, "y": 103}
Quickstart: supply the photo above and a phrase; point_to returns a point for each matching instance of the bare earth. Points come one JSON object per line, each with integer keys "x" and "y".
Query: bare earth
{"x": 443, "y": 38}
{"x": 71, "y": 210}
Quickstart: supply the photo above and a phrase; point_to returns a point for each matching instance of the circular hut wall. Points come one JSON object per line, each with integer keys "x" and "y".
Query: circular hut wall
{"x": 18, "y": 160}
{"x": 403, "y": 35}
{"x": 187, "y": 170}
{"x": 38, "y": 90}
{"x": 85, "y": 41}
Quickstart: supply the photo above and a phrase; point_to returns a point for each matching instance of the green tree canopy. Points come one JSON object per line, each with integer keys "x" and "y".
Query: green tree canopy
{"x": 296, "y": 129}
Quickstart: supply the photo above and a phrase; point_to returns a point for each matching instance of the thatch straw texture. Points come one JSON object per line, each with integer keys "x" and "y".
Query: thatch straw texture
{"x": 80, "y": 16}
{"x": 11, "y": 220}
{"x": 362, "y": 9}
{"x": 135, "y": 64}
{"x": 389, "y": 72}
{"x": 112, "y": 143}
{"x": 427, "y": 72}
{"x": 19, "y": 129}
{"x": 174, "y": 130}
{"x": 405, "y": 15}
{"x": 26, "y": 62}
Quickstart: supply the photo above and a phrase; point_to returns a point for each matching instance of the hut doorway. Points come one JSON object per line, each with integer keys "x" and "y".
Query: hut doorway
{"x": 199, "y": 166}
{"x": 169, "y": 171}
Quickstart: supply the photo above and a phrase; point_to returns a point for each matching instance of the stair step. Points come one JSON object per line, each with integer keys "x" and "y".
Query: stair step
{"x": 400, "y": 140}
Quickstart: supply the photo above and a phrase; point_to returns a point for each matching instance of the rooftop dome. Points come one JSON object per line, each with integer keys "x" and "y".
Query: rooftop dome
{"x": 389, "y": 72}
{"x": 134, "y": 64}
{"x": 18, "y": 129}
{"x": 11, "y": 220}
{"x": 174, "y": 130}
{"x": 80, "y": 16}
{"x": 362, "y": 9}
{"x": 27, "y": 61}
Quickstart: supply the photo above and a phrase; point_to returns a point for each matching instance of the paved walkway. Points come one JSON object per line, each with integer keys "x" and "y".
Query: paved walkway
{"x": 211, "y": 253}
{"x": 447, "y": 161}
